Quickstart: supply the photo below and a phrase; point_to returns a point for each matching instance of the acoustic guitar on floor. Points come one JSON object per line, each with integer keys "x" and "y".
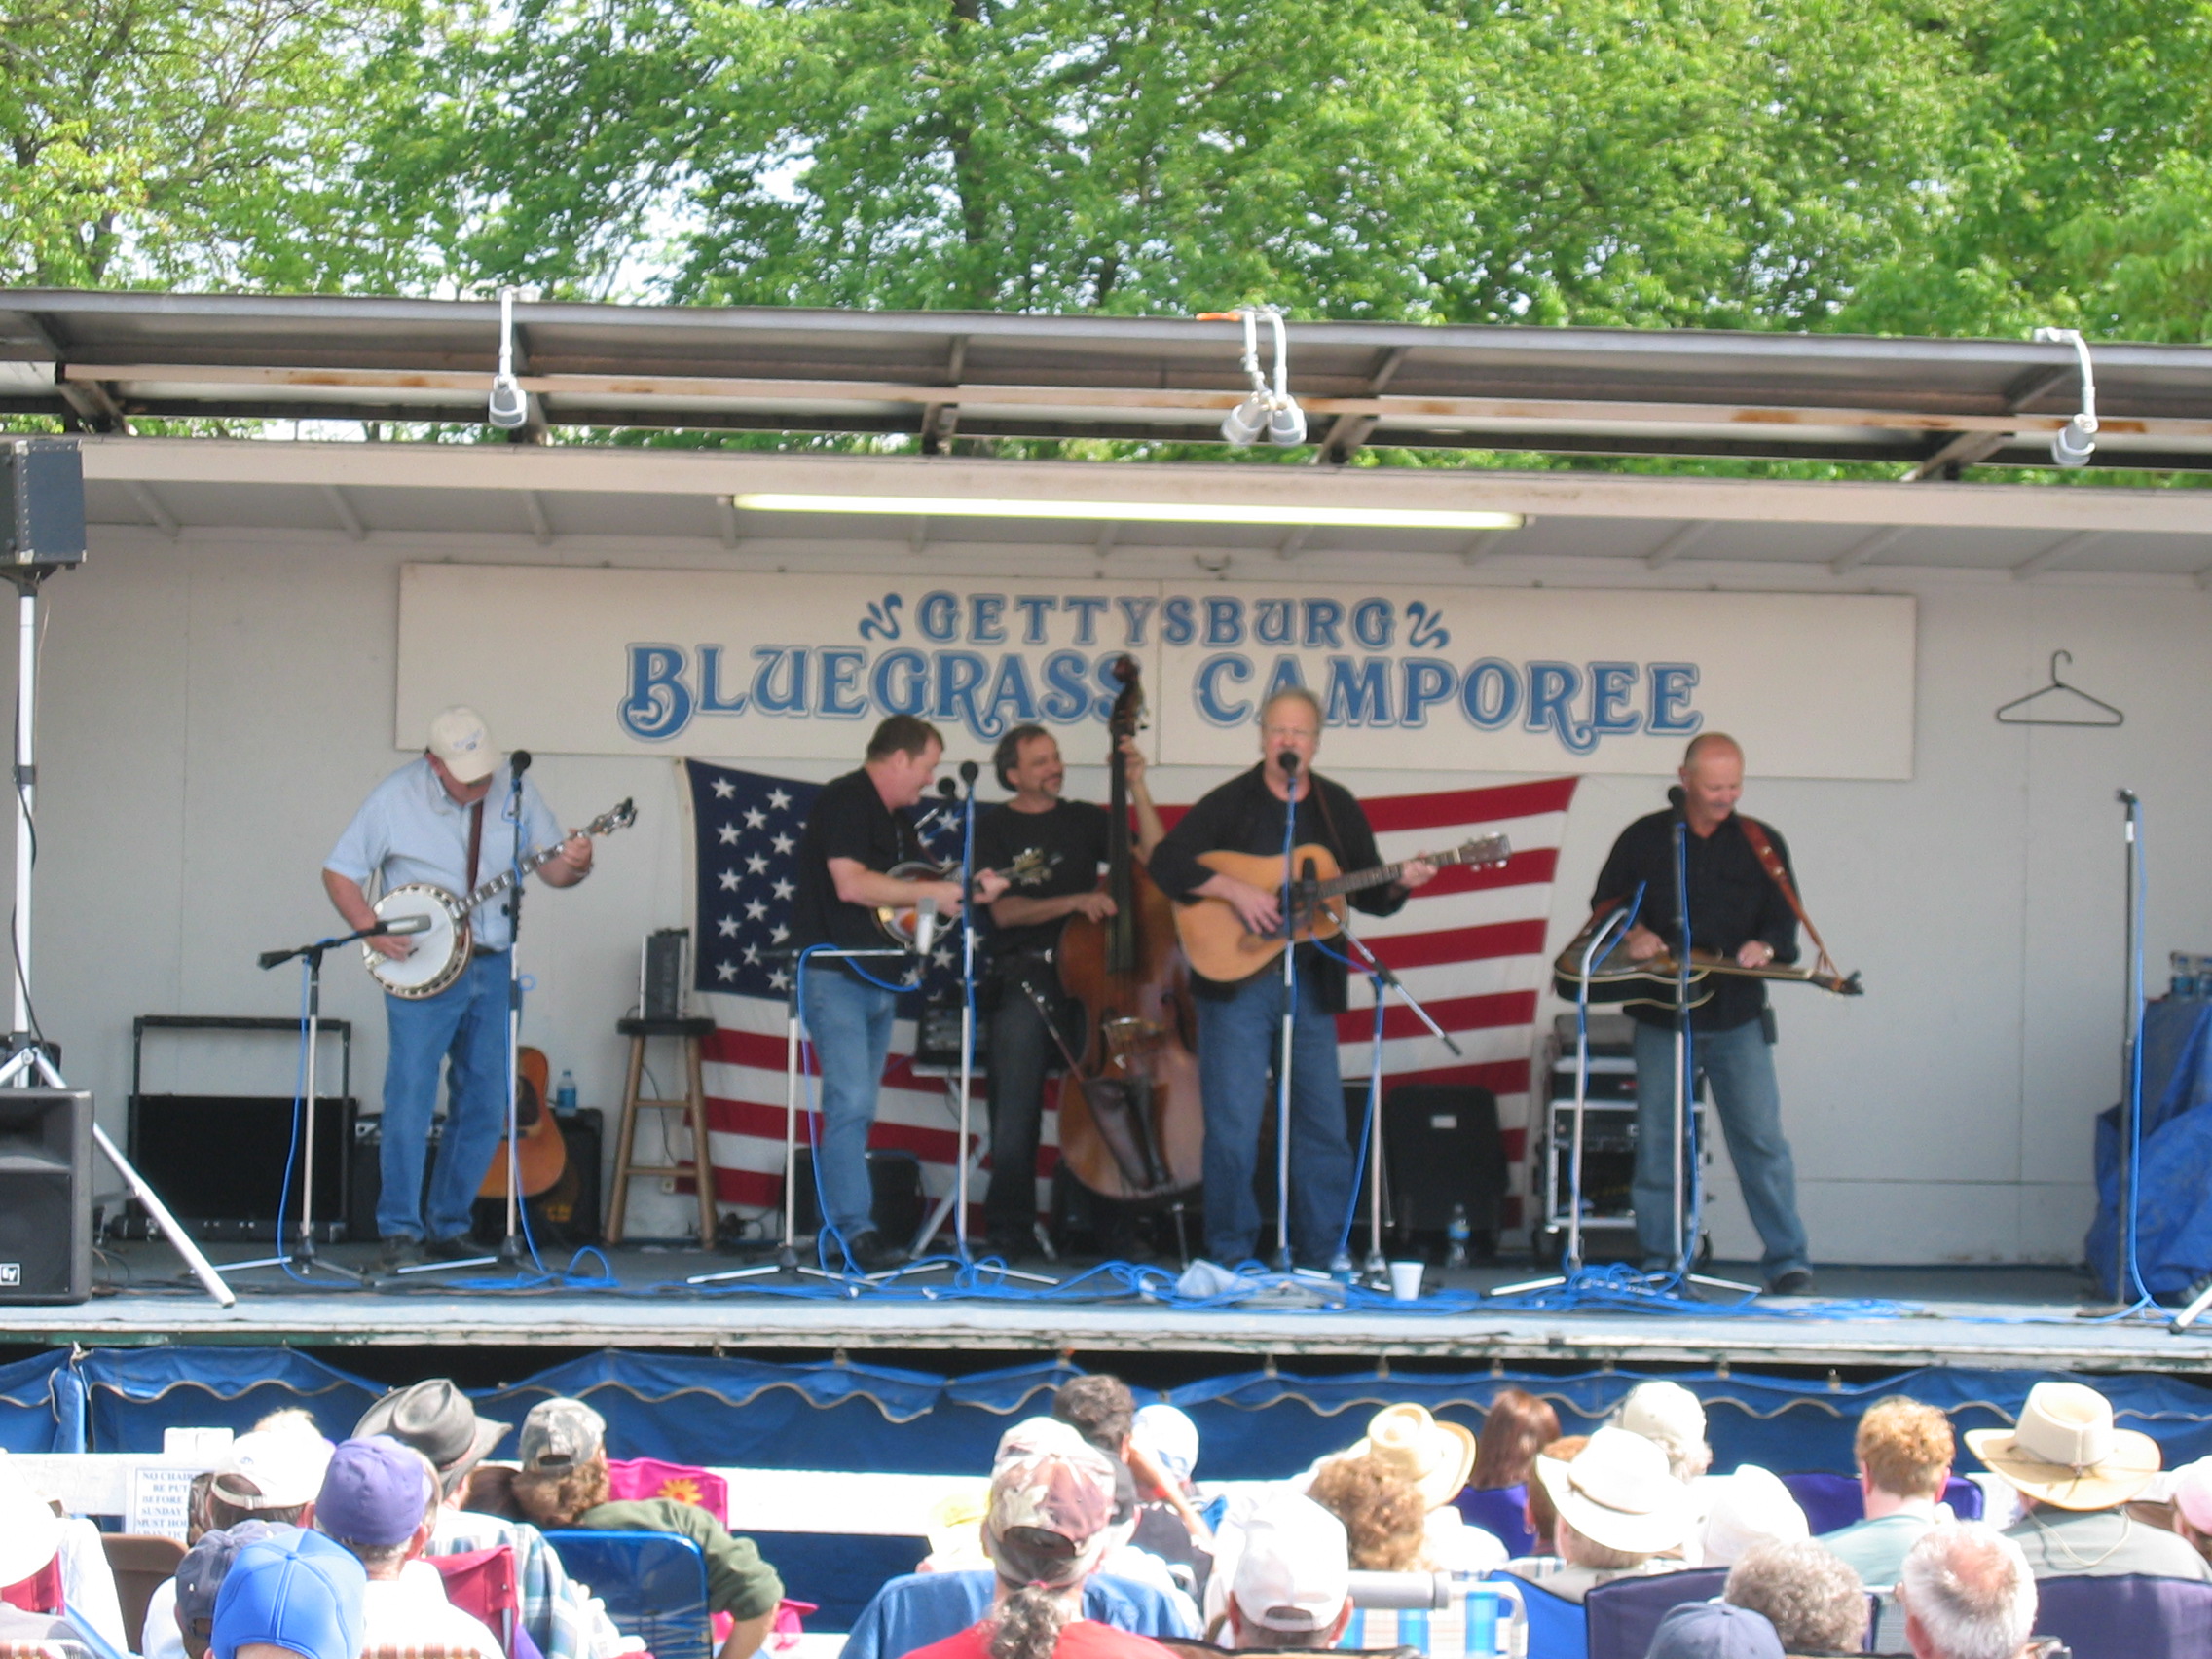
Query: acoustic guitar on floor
{"x": 1221, "y": 947}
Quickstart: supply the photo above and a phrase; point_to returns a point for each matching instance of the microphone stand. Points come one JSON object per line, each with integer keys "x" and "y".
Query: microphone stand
{"x": 1385, "y": 978}
{"x": 967, "y": 774}
{"x": 301, "y": 1258}
{"x": 1291, "y": 887}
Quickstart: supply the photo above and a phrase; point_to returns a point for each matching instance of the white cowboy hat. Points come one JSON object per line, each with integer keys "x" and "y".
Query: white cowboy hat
{"x": 2066, "y": 1451}
{"x": 1619, "y": 1492}
{"x": 1436, "y": 1456}
{"x": 31, "y": 1533}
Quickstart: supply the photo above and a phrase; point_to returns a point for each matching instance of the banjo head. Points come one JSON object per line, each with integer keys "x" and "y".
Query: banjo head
{"x": 440, "y": 950}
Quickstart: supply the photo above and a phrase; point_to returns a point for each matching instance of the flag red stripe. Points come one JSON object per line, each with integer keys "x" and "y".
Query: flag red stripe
{"x": 1532, "y": 868}
{"x": 1462, "y": 944}
{"x": 1457, "y": 807}
{"x": 1453, "y": 1014}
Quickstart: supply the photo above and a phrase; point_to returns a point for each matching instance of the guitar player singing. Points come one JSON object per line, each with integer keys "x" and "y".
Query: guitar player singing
{"x": 445, "y": 818}
{"x": 1238, "y": 1019}
{"x": 1740, "y": 912}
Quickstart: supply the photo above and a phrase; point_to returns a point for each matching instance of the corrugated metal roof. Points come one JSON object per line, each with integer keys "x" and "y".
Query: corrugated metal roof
{"x": 100, "y": 358}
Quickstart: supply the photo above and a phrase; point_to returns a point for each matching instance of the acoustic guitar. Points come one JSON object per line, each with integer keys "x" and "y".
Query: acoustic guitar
{"x": 541, "y": 1150}
{"x": 1221, "y": 947}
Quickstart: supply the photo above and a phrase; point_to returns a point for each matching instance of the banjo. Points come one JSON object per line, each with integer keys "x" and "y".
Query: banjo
{"x": 442, "y": 948}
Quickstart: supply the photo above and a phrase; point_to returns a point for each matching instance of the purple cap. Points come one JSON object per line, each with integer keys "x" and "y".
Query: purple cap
{"x": 297, "y": 1591}
{"x": 375, "y": 1492}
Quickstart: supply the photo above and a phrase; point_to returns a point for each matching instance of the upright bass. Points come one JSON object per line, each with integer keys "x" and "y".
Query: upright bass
{"x": 1132, "y": 1125}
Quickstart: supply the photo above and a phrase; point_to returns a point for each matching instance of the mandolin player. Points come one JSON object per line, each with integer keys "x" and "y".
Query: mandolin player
{"x": 445, "y": 818}
{"x": 1238, "y": 1019}
{"x": 1738, "y": 911}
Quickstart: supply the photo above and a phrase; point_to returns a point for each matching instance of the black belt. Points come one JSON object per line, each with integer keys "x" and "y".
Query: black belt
{"x": 477, "y": 951}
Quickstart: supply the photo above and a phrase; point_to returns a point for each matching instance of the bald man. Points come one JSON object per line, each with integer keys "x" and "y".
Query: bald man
{"x": 1738, "y": 911}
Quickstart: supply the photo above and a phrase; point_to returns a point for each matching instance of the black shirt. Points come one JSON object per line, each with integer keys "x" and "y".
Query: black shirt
{"x": 1732, "y": 902}
{"x": 1243, "y": 816}
{"x": 1045, "y": 855}
{"x": 849, "y": 820}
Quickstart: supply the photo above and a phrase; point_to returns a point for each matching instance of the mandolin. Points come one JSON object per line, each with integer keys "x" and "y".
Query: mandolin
{"x": 541, "y": 1149}
{"x": 1222, "y": 948}
{"x": 1617, "y": 982}
{"x": 898, "y": 921}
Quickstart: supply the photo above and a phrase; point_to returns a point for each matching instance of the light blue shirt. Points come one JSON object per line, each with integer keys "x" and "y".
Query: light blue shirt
{"x": 410, "y": 830}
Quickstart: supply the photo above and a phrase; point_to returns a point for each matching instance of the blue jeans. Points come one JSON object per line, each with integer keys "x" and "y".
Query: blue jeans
{"x": 1739, "y": 1065}
{"x": 849, "y": 1024}
{"x": 466, "y": 1026}
{"x": 1239, "y": 1040}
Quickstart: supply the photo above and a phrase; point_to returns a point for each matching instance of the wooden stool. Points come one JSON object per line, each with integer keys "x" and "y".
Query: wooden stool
{"x": 693, "y": 1104}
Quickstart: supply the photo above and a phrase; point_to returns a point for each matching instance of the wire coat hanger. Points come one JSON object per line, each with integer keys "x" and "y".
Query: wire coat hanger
{"x": 2082, "y": 708}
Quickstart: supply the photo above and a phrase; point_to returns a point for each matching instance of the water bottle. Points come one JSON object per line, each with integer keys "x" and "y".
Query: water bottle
{"x": 1458, "y": 1233}
{"x": 565, "y": 1093}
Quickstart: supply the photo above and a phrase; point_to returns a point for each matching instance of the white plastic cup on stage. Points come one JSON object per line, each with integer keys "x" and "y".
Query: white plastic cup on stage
{"x": 1405, "y": 1281}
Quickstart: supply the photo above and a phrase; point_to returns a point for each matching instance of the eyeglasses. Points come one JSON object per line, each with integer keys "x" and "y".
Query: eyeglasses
{"x": 1308, "y": 733}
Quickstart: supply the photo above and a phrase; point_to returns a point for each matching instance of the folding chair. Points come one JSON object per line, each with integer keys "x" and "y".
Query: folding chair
{"x": 140, "y": 1563}
{"x": 654, "y": 1585}
{"x": 482, "y": 1583}
{"x": 1623, "y": 1616}
{"x": 2129, "y": 1616}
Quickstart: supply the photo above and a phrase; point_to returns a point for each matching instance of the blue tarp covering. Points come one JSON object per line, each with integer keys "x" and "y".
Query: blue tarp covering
{"x": 741, "y": 1412}
{"x": 42, "y": 1407}
{"x": 2173, "y": 1236}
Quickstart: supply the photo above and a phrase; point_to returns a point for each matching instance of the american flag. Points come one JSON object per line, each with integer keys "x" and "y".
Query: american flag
{"x": 1470, "y": 945}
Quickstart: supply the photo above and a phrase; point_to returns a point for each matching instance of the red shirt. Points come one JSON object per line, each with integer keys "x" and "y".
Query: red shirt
{"x": 1079, "y": 1639}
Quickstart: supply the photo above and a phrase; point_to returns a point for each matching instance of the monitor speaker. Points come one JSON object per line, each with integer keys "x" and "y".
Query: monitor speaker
{"x": 46, "y": 1195}
{"x": 661, "y": 975}
{"x": 1445, "y": 1153}
{"x": 42, "y": 501}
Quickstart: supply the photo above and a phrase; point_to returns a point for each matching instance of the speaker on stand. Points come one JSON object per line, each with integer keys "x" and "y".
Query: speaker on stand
{"x": 46, "y": 1195}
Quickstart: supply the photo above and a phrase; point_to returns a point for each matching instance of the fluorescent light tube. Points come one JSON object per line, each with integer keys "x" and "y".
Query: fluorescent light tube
{"x": 1129, "y": 512}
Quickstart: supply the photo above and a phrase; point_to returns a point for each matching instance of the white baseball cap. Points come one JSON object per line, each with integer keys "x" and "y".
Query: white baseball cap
{"x": 459, "y": 738}
{"x": 285, "y": 1466}
{"x": 1169, "y": 1435}
{"x": 1294, "y": 1573}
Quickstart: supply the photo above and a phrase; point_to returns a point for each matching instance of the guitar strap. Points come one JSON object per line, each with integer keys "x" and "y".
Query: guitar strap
{"x": 1770, "y": 861}
{"x": 476, "y": 841}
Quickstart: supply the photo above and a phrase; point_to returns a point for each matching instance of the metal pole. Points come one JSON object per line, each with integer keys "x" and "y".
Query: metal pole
{"x": 26, "y": 786}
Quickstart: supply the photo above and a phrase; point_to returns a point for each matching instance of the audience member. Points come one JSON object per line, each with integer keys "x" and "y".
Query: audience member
{"x": 1543, "y": 1519}
{"x": 198, "y": 1581}
{"x": 1815, "y": 1601}
{"x": 1517, "y": 1426}
{"x": 437, "y": 1420}
{"x": 1437, "y": 1457}
{"x": 380, "y": 1500}
{"x": 2193, "y": 1505}
{"x": 1967, "y": 1593}
{"x": 2076, "y": 1471}
{"x": 1100, "y": 1408}
{"x": 88, "y": 1583}
{"x": 1292, "y": 1584}
{"x": 270, "y": 1476}
{"x": 1714, "y": 1630}
{"x": 1170, "y": 1439}
{"x": 1619, "y": 1509}
{"x": 1750, "y": 1506}
{"x": 30, "y": 1538}
{"x": 292, "y": 1596}
{"x": 1046, "y": 1533}
{"x": 1380, "y": 1510}
{"x": 563, "y": 1483}
{"x": 1672, "y": 1418}
{"x": 1904, "y": 1450}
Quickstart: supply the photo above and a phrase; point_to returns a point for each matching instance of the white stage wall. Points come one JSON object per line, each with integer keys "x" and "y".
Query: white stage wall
{"x": 214, "y": 708}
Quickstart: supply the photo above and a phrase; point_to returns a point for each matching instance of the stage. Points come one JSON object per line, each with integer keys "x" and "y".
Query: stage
{"x": 1864, "y": 1319}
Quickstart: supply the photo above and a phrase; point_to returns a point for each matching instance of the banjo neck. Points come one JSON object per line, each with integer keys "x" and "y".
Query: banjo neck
{"x": 606, "y": 823}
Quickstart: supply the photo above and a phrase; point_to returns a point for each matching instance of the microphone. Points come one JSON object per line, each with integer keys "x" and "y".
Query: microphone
{"x": 1287, "y": 759}
{"x": 401, "y": 925}
{"x": 968, "y": 771}
{"x": 925, "y": 925}
{"x": 946, "y": 788}
{"x": 1677, "y": 799}
{"x": 2125, "y": 798}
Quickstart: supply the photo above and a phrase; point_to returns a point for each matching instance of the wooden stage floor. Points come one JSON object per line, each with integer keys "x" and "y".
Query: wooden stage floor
{"x": 1864, "y": 1318}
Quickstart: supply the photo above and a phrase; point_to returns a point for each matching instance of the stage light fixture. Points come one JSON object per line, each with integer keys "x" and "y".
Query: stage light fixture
{"x": 2076, "y": 441}
{"x": 1269, "y": 409}
{"x": 509, "y": 408}
{"x": 1129, "y": 512}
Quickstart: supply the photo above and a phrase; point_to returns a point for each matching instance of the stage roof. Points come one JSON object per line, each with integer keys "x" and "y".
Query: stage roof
{"x": 99, "y": 359}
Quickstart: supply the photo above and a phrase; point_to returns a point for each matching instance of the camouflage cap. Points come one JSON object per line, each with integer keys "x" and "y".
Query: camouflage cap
{"x": 1049, "y": 1515}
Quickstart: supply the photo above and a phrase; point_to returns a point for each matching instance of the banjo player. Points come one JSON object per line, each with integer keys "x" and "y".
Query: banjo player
{"x": 446, "y": 818}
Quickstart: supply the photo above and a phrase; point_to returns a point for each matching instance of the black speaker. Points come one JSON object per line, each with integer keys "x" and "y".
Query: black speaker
{"x": 46, "y": 1195}
{"x": 1445, "y": 1152}
{"x": 660, "y": 979}
{"x": 42, "y": 501}
{"x": 218, "y": 1162}
{"x": 895, "y": 1179}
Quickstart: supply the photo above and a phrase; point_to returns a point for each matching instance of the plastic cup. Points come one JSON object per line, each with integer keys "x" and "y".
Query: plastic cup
{"x": 1405, "y": 1281}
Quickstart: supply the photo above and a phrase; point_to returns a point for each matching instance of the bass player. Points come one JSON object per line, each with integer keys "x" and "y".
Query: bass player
{"x": 447, "y": 817}
{"x": 1238, "y": 1020}
{"x": 1738, "y": 911}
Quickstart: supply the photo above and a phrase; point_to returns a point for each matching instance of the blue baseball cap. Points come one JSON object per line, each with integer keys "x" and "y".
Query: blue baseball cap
{"x": 1715, "y": 1630}
{"x": 375, "y": 1491}
{"x": 297, "y": 1591}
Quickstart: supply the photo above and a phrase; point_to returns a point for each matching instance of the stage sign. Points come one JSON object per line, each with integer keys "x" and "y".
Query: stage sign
{"x": 773, "y": 666}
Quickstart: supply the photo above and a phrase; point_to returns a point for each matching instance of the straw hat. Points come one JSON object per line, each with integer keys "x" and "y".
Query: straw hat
{"x": 1619, "y": 1492}
{"x": 1436, "y": 1456}
{"x": 2066, "y": 1451}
